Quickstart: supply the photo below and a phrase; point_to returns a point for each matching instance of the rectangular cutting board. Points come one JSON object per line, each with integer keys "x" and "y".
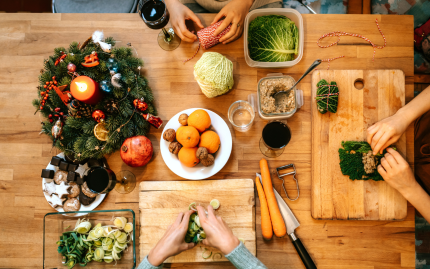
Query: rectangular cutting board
{"x": 335, "y": 196}
{"x": 160, "y": 202}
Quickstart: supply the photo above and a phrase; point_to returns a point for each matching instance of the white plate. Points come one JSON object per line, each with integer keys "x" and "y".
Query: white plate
{"x": 199, "y": 171}
{"x": 81, "y": 169}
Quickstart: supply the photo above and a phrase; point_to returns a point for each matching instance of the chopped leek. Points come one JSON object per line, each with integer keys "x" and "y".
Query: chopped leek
{"x": 215, "y": 204}
{"x": 128, "y": 228}
{"x": 101, "y": 244}
{"x": 206, "y": 256}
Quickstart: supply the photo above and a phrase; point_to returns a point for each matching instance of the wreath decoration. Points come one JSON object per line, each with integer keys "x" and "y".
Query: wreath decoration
{"x": 125, "y": 108}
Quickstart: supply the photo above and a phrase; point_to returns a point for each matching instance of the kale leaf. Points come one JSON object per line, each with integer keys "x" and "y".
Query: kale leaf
{"x": 351, "y": 160}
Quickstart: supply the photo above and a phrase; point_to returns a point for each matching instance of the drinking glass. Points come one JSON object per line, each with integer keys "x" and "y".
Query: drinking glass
{"x": 241, "y": 115}
{"x": 100, "y": 179}
{"x": 126, "y": 182}
{"x": 275, "y": 136}
{"x": 156, "y": 16}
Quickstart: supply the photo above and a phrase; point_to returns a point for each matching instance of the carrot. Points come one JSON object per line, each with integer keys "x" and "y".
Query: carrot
{"x": 266, "y": 223}
{"x": 275, "y": 215}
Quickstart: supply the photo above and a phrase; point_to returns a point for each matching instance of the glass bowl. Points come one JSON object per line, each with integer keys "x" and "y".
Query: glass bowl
{"x": 277, "y": 116}
{"x": 55, "y": 224}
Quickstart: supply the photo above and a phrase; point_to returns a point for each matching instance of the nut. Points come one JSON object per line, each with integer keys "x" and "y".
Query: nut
{"x": 208, "y": 161}
{"x": 202, "y": 153}
{"x": 174, "y": 147}
{"x": 169, "y": 135}
{"x": 183, "y": 119}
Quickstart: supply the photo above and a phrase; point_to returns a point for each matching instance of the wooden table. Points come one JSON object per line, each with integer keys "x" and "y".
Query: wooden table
{"x": 27, "y": 39}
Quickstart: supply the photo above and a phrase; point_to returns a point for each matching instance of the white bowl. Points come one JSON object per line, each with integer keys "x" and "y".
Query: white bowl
{"x": 293, "y": 15}
{"x": 199, "y": 171}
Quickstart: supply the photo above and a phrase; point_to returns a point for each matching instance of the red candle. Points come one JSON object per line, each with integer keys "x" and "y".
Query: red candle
{"x": 85, "y": 90}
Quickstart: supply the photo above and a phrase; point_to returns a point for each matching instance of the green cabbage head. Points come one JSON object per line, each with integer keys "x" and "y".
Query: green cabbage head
{"x": 273, "y": 38}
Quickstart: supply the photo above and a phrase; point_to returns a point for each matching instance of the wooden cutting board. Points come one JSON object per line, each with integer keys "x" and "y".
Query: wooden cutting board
{"x": 335, "y": 196}
{"x": 160, "y": 202}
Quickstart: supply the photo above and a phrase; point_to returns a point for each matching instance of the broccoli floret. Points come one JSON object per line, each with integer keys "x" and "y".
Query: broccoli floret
{"x": 351, "y": 160}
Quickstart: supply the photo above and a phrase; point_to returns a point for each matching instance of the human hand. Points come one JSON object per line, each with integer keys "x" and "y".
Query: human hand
{"x": 397, "y": 173}
{"x": 218, "y": 234}
{"x": 234, "y": 13}
{"x": 178, "y": 14}
{"x": 386, "y": 132}
{"x": 173, "y": 241}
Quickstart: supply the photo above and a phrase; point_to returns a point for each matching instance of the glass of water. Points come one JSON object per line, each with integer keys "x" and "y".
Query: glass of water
{"x": 241, "y": 115}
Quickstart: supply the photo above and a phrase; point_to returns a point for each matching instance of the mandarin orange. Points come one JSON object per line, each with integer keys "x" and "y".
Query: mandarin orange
{"x": 210, "y": 140}
{"x": 199, "y": 119}
{"x": 187, "y": 156}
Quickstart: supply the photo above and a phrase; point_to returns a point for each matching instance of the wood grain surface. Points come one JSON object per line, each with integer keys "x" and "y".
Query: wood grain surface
{"x": 160, "y": 202}
{"x": 335, "y": 196}
{"x": 27, "y": 39}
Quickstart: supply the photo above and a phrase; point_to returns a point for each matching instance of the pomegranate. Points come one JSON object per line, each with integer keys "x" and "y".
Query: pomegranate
{"x": 136, "y": 151}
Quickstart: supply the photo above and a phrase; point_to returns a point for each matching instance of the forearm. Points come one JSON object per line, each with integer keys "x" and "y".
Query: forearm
{"x": 415, "y": 108}
{"x": 145, "y": 264}
{"x": 241, "y": 258}
{"x": 419, "y": 199}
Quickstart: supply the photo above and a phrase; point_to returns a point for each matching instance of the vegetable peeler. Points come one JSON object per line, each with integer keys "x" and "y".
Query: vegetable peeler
{"x": 288, "y": 174}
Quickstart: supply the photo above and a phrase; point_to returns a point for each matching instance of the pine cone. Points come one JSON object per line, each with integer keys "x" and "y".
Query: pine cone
{"x": 111, "y": 106}
{"x": 85, "y": 111}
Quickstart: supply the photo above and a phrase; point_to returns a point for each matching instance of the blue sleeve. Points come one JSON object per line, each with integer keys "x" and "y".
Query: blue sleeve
{"x": 241, "y": 258}
{"x": 146, "y": 265}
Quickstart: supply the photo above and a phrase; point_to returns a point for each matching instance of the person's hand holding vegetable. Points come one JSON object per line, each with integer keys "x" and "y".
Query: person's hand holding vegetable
{"x": 218, "y": 234}
{"x": 396, "y": 172}
{"x": 386, "y": 132}
{"x": 173, "y": 241}
{"x": 179, "y": 13}
{"x": 394, "y": 168}
{"x": 234, "y": 14}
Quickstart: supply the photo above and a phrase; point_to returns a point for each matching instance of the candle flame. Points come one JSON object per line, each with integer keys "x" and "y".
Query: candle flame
{"x": 81, "y": 86}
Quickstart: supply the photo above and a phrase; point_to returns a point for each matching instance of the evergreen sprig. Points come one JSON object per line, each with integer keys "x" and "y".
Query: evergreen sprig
{"x": 78, "y": 133}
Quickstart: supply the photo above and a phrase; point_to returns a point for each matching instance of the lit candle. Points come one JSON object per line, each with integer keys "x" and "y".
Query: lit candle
{"x": 85, "y": 90}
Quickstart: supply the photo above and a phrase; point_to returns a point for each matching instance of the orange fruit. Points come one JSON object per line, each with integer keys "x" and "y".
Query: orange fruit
{"x": 210, "y": 140}
{"x": 188, "y": 136}
{"x": 199, "y": 119}
{"x": 187, "y": 156}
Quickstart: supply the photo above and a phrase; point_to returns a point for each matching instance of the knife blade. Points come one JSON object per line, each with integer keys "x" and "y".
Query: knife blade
{"x": 292, "y": 223}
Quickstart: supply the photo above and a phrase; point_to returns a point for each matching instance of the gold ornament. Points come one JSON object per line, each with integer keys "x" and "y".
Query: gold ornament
{"x": 100, "y": 131}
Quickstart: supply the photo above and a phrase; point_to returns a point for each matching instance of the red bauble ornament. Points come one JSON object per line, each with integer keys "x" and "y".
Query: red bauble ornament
{"x": 140, "y": 105}
{"x": 136, "y": 151}
{"x": 98, "y": 115}
{"x": 71, "y": 67}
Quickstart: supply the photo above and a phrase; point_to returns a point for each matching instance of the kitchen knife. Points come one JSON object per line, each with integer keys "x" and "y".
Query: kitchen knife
{"x": 306, "y": 6}
{"x": 292, "y": 223}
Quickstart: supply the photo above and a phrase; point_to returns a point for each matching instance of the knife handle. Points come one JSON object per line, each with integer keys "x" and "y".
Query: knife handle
{"x": 304, "y": 255}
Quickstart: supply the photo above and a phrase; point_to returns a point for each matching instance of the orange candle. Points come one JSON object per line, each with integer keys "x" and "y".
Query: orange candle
{"x": 85, "y": 90}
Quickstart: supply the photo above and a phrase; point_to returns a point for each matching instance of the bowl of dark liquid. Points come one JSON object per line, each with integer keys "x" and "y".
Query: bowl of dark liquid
{"x": 275, "y": 136}
{"x": 100, "y": 179}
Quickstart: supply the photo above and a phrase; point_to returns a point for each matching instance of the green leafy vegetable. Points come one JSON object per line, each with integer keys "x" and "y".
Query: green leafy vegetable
{"x": 351, "y": 160}
{"x": 273, "y": 38}
{"x": 327, "y": 97}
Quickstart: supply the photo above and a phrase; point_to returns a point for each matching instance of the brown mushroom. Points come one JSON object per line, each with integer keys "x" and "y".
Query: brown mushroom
{"x": 174, "y": 147}
{"x": 208, "y": 161}
{"x": 169, "y": 135}
{"x": 183, "y": 119}
{"x": 202, "y": 153}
